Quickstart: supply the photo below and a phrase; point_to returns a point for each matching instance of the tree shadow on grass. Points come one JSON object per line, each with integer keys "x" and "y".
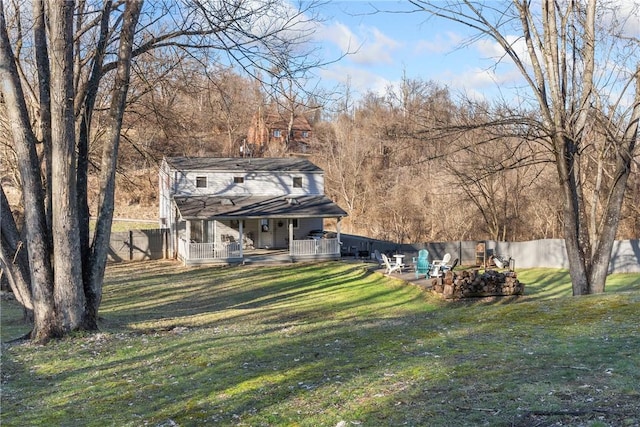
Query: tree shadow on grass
{"x": 208, "y": 292}
{"x": 444, "y": 367}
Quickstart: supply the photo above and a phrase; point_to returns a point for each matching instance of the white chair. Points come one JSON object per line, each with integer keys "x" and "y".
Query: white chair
{"x": 498, "y": 262}
{"x": 501, "y": 262}
{"x": 438, "y": 267}
{"x": 390, "y": 268}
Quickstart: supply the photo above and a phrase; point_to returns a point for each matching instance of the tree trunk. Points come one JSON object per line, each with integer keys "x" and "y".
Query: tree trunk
{"x": 13, "y": 256}
{"x": 36, "y": 233}
{"x": 68, "y": 290}
{"x": 575, "y": 244}
{"x": 42, "y": 62}
{"x": 100, "y": 246}
{"x": 83, "y": 167}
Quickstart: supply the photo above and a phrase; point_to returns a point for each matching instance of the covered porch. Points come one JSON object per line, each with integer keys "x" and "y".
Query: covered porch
{"x": 215, "y": 230}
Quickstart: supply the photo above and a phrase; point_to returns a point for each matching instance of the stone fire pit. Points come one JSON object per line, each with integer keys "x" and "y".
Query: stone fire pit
{"x": 469, "y": 284}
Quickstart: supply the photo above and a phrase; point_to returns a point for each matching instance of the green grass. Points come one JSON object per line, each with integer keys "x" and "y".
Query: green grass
{"x": 12, "y": 321}
{"x": 317, "y": 344}
{"x": 123, "y": 225}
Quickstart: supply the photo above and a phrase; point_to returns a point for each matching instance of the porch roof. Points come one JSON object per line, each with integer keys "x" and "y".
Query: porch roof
{"x": 255, "y": 207}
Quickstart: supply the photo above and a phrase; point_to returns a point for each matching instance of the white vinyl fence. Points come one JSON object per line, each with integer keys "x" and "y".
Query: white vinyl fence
{"x": 550, "y": 253}
{"x": 311, "y": 248}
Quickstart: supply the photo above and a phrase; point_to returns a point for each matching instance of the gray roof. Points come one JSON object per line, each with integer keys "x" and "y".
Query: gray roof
{"x": 235, "y": 164}
{"x": 251, "y": 207}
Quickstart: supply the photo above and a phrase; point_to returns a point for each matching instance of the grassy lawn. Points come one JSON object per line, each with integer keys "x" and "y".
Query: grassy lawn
{"x": 124, "y": 225}
{"x": 330, "y": 344}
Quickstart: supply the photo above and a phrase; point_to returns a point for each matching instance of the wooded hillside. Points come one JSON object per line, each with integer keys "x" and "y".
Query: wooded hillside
{"x": 408, "y": 165}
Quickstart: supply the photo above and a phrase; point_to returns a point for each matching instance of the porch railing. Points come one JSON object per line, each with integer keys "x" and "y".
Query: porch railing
{"x": 320, "y": 247}
{"x": 208, "y": 251}
{"x": 199, "y": 253}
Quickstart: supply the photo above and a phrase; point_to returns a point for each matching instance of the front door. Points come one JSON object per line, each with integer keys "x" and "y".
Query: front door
{"x": 266, "y": 233}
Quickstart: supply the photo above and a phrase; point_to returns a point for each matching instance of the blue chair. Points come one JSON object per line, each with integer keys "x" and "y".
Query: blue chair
{"x": 421, "y": 264}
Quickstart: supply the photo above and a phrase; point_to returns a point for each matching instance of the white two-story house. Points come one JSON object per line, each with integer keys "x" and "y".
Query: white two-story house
{"x": 218, "y": 208}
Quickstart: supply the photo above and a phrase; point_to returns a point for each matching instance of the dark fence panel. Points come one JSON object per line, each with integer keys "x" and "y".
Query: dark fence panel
{"x": 138, "y": 245}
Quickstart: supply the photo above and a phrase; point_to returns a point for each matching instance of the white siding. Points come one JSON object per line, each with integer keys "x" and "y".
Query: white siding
{"x": 257, "y": 184}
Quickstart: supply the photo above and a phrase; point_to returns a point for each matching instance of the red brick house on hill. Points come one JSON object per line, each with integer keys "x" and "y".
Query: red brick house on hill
{"x": 280, "y": 132}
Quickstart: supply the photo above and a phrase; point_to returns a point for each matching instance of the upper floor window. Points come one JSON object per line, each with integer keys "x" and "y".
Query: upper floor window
{"x": 305, "y": 134}
{"x": 201, "y": 182}
{"x": 277, "y": 133}
{"x": 238, "y": 179}
{"x": 297, "y": 182}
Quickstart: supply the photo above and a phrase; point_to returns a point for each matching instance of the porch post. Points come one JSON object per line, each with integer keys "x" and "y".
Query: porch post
{"x": 175, "y": 239}
{"x": 241, "y": 237}
{"x": 188, "y": 242}
{"x": 290, "y": 236}
{"x": 338, "y": 232}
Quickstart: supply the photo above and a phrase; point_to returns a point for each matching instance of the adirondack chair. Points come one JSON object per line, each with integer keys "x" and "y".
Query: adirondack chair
{"x": 453, "y": 264}
{"x": 422, "y": 253}
{"x": 378, "y": 257}
{"x": 390, "y": 267}
{"x": 421, "y": 263}
{"x": 440, "y": 266}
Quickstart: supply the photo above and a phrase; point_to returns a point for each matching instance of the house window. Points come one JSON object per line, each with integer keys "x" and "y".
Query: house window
{"x": 294, "y": 222}
{"x": 238, "y": 179}
{"x": 305, "y": 134}
{"x": 297, "y": 182}
{"x": 277, "y": 133}
{"x": 201, "y": 182}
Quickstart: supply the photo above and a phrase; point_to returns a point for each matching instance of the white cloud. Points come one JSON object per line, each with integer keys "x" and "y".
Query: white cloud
{"x": 369, "y": 46}
{"x": 359, "y": 79}
{"x": 443, "y": 43}
{"x": 340, "y": 35}
{"x": 377, "y": 47}
{"x": 490, "y": 49}
{"x": 473, "y": 78}
{"x": 478, "y": 82}
{"x": 623, "y": 15}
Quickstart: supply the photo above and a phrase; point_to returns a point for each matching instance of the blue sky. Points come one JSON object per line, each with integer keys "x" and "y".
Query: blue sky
{"x": 386, "y": 45}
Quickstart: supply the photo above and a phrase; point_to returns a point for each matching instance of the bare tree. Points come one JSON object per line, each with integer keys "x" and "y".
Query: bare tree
{"x": 346, "y": 155}
{"x": 377, "y": 161}
{"x": 182, "y": 106}
{"x": 497, "y": 191}
{"x": 83, "y": 51}
{"x": 232, "y": 101}
{"x": 564, "y": 52}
